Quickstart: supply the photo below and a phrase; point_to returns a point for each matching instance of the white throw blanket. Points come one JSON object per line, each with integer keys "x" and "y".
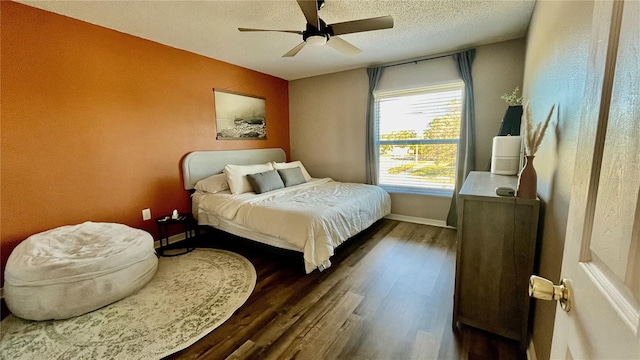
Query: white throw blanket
{"x": 316, "y": 216}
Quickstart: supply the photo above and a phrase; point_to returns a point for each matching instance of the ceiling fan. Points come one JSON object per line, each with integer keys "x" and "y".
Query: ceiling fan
{"x": 318, "y": 33}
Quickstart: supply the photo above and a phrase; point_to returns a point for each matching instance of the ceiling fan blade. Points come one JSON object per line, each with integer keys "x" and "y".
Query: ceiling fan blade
{"x": 284, "y": 31}
{"x": 295, "y": 50}
{"x": 310, "y": 10}
{"x": 348, "y": 27}
{"x": 343, "y": 46}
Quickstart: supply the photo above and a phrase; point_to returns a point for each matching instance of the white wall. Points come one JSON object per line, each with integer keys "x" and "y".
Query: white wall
{"x": 327, "y": 116}
{"x": 555, "y": 73}
{"x": 327, "y": 124}
{"x": 497, "y": 69}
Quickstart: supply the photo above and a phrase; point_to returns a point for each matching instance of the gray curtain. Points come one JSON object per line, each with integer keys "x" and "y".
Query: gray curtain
{"x": 467, "y": 146}
{"x": 374, "y": 74}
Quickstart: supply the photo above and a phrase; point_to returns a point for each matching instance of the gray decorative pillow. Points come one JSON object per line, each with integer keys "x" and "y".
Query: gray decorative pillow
{"x": 292, "y": 176}
{"x": 265, "y": 181}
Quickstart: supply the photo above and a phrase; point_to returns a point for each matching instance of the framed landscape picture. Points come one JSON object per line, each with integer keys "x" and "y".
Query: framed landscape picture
{"x": 239, "y": 116}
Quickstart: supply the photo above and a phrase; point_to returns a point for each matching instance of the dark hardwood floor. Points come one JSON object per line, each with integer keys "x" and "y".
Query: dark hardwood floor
{"x": 388, "y": 295}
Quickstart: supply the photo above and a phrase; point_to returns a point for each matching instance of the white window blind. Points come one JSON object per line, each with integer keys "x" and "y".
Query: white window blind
{"x": 417, "y": 133}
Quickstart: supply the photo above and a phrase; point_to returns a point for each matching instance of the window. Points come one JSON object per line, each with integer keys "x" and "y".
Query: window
{"x": 417, "y": 133}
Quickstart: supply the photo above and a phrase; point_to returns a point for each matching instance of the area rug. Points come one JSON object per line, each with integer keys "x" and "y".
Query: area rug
{"x": 189, "y": 296}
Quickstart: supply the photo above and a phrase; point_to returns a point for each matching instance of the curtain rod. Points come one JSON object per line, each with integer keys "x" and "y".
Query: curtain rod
{"x": 422, "y": 59}
{"x": 416, "y": 61}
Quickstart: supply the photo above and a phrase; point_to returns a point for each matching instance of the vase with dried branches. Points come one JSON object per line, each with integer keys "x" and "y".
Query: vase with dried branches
{"x": 528, "y": 178}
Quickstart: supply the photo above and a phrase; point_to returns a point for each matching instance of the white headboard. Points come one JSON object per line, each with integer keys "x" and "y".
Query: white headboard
{"x": 201, "y": 164}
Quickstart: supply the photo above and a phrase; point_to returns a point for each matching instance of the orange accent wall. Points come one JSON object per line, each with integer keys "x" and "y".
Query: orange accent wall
{"x": 94, "y": 123}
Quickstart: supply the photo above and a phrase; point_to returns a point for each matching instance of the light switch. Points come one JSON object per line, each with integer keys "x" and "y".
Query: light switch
{"x": 146, "y": 214}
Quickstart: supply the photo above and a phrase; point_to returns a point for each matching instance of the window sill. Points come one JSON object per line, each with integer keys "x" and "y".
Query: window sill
{"x": 417, "y": 191}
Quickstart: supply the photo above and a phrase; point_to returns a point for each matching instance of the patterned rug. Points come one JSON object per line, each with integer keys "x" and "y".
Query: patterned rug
{"x": 189, "y": 296}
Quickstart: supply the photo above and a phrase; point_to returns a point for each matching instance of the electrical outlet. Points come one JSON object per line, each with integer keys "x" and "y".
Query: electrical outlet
{"x": 146, "y": 214}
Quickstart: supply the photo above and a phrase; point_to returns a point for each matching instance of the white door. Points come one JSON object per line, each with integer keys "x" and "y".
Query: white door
{"x": 602, "y": 246}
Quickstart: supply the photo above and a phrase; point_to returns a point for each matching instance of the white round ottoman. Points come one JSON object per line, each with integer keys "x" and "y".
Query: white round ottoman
{"x": 71, "y": 270}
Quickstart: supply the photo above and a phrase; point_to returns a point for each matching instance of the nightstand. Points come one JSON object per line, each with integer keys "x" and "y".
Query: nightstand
{"x": 189, "y": 227}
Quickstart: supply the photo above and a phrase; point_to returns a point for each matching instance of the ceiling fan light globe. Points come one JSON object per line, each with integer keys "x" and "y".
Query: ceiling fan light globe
{"x": 316, "y": 40}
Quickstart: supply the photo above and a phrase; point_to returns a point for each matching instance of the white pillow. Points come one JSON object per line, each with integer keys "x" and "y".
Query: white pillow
{"x": 213, "y": 184}
{"x": 237, "y": 176}
{"x": 293, "y": 164}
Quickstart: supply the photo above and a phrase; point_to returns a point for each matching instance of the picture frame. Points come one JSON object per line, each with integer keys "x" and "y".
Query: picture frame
{"x": 239, "y": 117}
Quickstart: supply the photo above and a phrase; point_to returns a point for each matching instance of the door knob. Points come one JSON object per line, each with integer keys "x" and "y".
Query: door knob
{"x": 543, "y": 289}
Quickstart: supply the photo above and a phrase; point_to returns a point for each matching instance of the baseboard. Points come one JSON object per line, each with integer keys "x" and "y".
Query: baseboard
{"x": 418, "y": 220}
{"x": 531, "y": 351}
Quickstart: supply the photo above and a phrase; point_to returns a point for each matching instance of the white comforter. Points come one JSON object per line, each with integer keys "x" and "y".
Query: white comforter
{"x": 316, "y": 216}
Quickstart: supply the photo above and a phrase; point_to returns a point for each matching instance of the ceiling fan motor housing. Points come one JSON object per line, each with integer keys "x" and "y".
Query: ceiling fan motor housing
{"x": 324, "y": 31}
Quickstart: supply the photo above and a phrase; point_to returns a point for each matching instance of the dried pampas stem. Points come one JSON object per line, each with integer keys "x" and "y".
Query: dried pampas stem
{"x": 533, "y": 138}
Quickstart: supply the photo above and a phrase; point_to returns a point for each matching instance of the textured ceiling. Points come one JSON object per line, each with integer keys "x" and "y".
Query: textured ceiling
{"x": 209, "y": 28}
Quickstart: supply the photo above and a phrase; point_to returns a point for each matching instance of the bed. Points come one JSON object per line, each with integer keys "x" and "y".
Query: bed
{"x": 234, "y": 191}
